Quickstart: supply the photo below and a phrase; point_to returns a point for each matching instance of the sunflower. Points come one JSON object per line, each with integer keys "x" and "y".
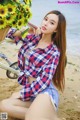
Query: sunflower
{"x": 28, "y": 15}
{"x": 26, "y": 8}
{"x": 14, "y": 24}
{"x": 27, "y": 1}
{"x": 25, "y": 21}
{"x": 20, "y": 23}
{"x": 15, "y": 13}
{"x": 2, "y": 23}
{"x": 3, "y": 11}
{"x": 10, "y": 19}
{"x": 20, "y": 15}
{"x": 11, "y": 8}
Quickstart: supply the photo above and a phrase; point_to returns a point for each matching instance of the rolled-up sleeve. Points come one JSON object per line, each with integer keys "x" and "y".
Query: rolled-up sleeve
{"x": 17, "y": 39}
{"x": 42, "y": 81}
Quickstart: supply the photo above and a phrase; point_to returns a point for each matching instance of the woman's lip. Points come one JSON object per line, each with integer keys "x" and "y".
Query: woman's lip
{"x": 43, "y": 28}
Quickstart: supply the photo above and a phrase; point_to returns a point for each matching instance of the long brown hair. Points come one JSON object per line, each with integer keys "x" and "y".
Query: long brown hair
{"x": 59, "y": 39}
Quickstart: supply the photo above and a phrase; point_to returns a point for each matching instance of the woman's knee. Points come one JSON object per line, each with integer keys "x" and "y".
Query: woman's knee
{"x": 41, "y": 109}
{"x": 31, "y": 118}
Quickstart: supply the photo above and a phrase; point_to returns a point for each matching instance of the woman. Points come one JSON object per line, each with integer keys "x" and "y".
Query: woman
{"x": 41, "y": 60}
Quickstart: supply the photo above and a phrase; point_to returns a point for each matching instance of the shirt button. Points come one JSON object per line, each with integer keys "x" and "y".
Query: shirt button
{"x": 26, "y": 62}
{"x": 27, "y": 73}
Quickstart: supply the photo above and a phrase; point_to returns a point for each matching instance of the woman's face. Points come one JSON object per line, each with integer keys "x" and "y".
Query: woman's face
{"x": 49, "y": 24}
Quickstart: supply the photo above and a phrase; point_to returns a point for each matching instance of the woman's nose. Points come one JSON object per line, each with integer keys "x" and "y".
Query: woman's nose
{"x": 46, "y": 23}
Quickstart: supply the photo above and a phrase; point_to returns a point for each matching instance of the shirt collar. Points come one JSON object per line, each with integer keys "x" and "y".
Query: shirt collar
{"x": 48, "y": 47}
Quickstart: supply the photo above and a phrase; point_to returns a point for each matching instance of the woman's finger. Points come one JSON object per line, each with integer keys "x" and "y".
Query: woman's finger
{"x": 38, "y": 31}
{"x": 31, "y": 30}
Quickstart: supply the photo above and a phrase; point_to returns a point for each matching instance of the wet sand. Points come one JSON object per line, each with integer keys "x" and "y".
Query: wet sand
{"x": 69, "y": 106}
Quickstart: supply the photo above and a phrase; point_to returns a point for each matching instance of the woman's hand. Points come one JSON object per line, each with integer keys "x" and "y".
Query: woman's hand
{"x": 31, "y": 30}
{"x": 34, "y": 31}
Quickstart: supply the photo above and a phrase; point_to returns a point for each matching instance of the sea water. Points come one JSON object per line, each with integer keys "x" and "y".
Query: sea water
{"x": 71, "y": 12}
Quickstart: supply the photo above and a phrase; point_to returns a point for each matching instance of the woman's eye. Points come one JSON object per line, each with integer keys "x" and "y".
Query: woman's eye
{"x": 52, "y": 23}
{"x": 45, "y": 19}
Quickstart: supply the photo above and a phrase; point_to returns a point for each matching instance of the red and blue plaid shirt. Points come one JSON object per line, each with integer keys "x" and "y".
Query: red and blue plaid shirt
{"x": 38, "y": 63}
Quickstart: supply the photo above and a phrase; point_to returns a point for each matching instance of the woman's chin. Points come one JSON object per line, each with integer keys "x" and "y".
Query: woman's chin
{"x": 43, "y": 32}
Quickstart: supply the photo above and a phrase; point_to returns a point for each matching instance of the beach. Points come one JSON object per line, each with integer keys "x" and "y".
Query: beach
{"x": 69, "y": 104}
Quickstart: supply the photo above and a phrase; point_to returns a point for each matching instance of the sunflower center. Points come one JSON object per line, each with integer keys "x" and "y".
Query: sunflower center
{"x": 1, "y": 22}
{"x": 28, "y": 15}
{"x": 14, "y": 22}
{"x": 2, "y": 11}
{"x": 26, "y": 9}
{"x": 20, "y": 16}
{"x": 10, "y": 9}
{"x": 8, "y": 18}
{"x": 19, "y": 23}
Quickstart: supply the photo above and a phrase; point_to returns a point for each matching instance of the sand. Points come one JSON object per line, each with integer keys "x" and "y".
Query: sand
{"x": 69, "y": 106}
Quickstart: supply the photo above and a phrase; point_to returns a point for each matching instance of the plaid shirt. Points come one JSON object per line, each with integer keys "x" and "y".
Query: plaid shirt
{"x": 38, "y": 63}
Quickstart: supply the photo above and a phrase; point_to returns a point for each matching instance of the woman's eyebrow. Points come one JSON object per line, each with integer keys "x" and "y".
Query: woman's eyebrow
{"x": 50, "y": 19}
{"x": 53, "y": 21}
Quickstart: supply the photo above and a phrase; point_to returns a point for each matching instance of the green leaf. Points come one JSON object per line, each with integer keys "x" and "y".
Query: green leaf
{"x": 25, "y": 31}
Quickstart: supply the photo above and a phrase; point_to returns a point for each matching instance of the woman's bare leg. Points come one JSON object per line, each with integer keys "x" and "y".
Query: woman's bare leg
{"x": 14, "y": 107}
{"x": 41, "y": 109}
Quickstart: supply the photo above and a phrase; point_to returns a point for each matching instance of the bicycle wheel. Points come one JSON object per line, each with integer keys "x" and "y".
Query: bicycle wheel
{"x": 10, "y": 74}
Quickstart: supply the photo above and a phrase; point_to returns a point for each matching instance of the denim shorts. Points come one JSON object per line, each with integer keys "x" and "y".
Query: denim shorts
{"x": 53, "y": 93}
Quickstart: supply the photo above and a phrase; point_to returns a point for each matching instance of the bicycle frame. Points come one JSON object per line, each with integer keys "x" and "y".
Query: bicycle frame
{"x": 3, "y": 66}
